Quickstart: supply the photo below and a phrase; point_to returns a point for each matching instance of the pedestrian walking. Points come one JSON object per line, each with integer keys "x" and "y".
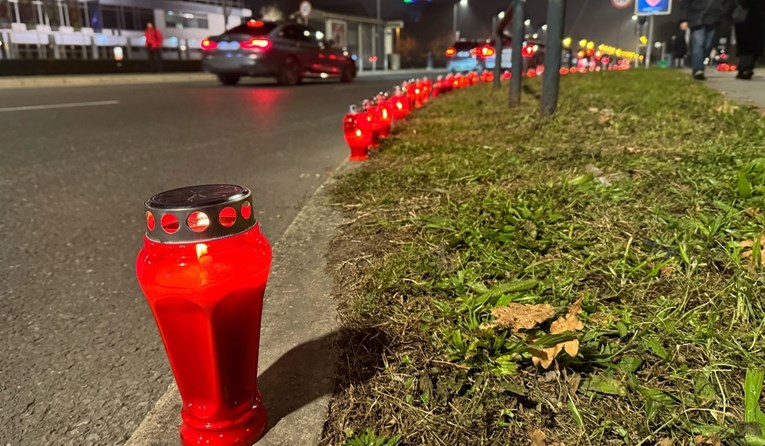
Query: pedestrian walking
{"x": 703, "y": 17}
{"x": 154, "y": 47}
{"x": 749, "y": 17}
{"x": 680, "y": 44}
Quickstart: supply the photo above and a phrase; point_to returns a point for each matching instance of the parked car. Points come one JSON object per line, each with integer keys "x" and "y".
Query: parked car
{"x": 286, "y": 51}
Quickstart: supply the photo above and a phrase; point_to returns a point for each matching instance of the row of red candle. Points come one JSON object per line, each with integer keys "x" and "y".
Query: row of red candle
{"x": 365, "y": 126}
{"x": 726, "y": 67}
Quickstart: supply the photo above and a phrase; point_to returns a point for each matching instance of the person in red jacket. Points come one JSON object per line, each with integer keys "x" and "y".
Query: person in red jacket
{"x": 154, "y": 46}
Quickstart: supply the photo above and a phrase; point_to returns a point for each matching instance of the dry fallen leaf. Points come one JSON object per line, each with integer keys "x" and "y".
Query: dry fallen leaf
{"x": 666, "y": 442}
{"x": 667, "y": 271}
{"x": 569, "y": 322}
{"x": 746, "y": 244}
{"x": 520, "y": 316}
{"x": 713, "y": 440}
{"x": 752, "y": 247}
{"x": 538, "y": 438}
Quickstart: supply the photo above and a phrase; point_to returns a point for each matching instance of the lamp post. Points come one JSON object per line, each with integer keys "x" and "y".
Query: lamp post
{"x": 457, "y": 5}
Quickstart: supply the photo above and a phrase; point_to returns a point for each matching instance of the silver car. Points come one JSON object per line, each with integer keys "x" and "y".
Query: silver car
{"x": 286, "y": 51}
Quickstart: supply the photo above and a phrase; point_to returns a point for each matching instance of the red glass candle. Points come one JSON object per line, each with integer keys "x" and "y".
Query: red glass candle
{"x": 399, "y": 104}
{"x": 427, "y": 88}
{"x": 373, "y": 118}
{"x": 358, "y": 134}
{"x": 385, "y": 113}
{"x": 203, "y": 269}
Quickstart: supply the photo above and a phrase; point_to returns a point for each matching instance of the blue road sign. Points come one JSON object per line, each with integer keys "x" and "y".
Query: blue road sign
{"x": 653, "y": 7}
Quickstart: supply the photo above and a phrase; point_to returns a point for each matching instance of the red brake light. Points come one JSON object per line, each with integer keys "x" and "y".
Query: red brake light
{"x": 254, "y": 23}
{"x": 257, "y": 43}
{"x": 208, "y": 44}
{"x": 451, "y": 51}
{"x": 487, "y": 51}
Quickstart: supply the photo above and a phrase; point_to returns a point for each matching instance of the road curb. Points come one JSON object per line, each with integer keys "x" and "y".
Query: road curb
{"x": 91, "y": 80}
{"x": 95, "y": 80}
{"x": 297, "y": 354}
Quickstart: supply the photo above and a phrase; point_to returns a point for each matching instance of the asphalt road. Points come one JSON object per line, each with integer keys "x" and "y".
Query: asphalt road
{"x": 81, "y": 362}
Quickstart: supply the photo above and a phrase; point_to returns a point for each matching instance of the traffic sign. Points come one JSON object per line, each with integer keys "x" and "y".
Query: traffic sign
{"x": 621, "y": 4}
{"x": 653, "y": 7}
{"x": 305, "y": 9}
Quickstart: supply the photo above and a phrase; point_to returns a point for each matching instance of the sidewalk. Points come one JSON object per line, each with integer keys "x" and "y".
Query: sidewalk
{"x": 747, "y": 92}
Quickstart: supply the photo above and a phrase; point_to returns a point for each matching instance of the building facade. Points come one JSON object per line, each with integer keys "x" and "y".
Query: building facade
{"x": 111, "y": 29}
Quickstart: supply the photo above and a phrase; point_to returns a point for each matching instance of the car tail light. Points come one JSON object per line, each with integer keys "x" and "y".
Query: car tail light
{"x": 451, "y": 51}
{"x": 256, "y": 43}
{"x": 208, "y": 44}
{"x": 485, "y": 51}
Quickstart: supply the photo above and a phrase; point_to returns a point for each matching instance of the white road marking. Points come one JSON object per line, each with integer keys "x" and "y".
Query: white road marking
{"x": 52, "y": 106}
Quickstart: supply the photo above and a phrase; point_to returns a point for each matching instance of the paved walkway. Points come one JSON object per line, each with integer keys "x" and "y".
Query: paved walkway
{"x": 750, "y": 92}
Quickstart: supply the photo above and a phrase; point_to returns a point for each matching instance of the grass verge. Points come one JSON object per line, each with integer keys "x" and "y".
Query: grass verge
{"x": 637, "y": 210}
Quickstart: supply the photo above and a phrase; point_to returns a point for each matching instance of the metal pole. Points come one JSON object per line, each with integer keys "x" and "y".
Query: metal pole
{"x": 638, "y": 33}
{"x": 498, "y": 56}
{"x": 374, "y": 47}
{"x": 556, "y": 9}
{"x": 361, "y": 47}
{"x": 517, "y": 58}
{"x": 649, "y": 47}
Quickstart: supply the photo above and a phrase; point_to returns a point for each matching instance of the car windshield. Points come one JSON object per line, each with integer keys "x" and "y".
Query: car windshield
{"x": 253, "y": 28}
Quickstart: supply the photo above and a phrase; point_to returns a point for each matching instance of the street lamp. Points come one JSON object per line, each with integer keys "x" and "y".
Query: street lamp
{"x": 501, "y": 15}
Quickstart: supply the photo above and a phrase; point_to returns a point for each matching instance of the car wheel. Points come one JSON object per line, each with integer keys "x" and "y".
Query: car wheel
{"x": 228, "y": 79}
{"x": 290, "y": 74}
{"x": 348, "y": 73}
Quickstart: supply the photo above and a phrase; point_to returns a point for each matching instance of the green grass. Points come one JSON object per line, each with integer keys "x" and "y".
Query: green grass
{"x": 637, "y": 195}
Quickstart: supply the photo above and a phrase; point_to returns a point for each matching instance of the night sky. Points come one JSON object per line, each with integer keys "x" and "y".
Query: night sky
{"x": 591, "y": 19}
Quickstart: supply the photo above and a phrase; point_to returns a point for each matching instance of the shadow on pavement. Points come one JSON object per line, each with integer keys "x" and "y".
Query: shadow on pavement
{"x": 308, "y": 371}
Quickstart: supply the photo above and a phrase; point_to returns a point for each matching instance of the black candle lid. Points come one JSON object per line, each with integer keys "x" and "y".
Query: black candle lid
{"x": 199, "y": 213}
